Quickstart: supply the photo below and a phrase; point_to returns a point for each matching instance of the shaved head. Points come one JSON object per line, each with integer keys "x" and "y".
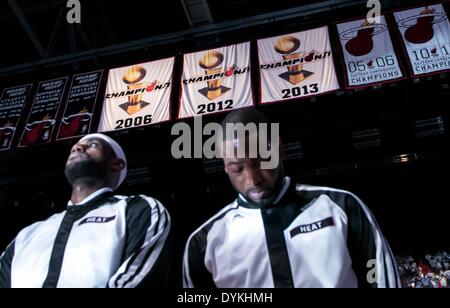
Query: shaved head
{"x": 247, "y": 151}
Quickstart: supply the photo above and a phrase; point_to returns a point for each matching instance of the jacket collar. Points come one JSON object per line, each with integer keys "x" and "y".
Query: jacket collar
{"x": 285, "y": 187}
{"x": 94, "y": 196}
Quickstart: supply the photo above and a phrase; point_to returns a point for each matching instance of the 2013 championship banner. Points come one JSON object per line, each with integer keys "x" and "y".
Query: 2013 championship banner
{"x": 296, "y": 65}
{"x": 12, "y": 104}
{"x": 426, "y": 35}
{"x": 42, "y": 118}
{"x": 368, "y": 52}
{"x": 137, "y": 95}
{"x": 77, "y": 117}
{"x": 216, "y": 80}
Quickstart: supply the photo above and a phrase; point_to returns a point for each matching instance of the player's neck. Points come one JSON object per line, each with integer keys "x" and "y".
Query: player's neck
{"x": 83, "y": 189}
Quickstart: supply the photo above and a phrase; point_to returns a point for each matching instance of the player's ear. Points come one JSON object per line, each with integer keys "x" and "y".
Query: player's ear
{"x": 225, "y": 167}
{"x": 117, "y": 164}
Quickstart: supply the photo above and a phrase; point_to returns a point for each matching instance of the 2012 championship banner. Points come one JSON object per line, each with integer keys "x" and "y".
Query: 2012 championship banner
{"x": 216, "y": 80}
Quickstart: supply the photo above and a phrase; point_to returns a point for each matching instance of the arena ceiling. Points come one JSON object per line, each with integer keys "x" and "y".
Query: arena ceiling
{"x": 36, "y": 34}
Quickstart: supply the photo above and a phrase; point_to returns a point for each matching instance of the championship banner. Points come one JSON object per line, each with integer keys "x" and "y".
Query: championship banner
{"x": 216, "y": 80}
{"x": 12, "y": 104}
{"x": 77, "y": 117}
{"x": 137, "y": 95}
{"x": 41, "y": 120}
{"x": 368, "y": 53}
{"x": 296, "y": 65}
{"x": 426, "y": 35}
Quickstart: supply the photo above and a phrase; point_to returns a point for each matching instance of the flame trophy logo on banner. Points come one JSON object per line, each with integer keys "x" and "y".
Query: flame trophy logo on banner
{"x": 216, "y": 80}
{"x": 287, "y": 47}
{"x": 211, "y": 62}
{"x": 296, "y": 65}
{"x": 137, "y": 95}
{"x": 12, "y": 104}
{"x": 426, "y": 35}
{"x": 133, "y": 78}
{"x": 368, "y": 52}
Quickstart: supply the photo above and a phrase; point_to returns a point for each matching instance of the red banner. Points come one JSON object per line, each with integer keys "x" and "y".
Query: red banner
{"x": 12, "y": 104}
{"x": 41, "y": 120}
{"x": 77, "y": 117}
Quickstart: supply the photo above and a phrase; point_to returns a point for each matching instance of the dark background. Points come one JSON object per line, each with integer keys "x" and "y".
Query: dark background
{"x": 406, "y": 193}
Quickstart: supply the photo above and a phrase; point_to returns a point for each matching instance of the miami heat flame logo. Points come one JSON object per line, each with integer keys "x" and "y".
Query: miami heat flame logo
{"x": 38, "y": 131}
{"x": 75, "y": 124}
{"x": 362, "y": 44}
{"x": 6, "y": 132}
{"x": 420, "y": 27}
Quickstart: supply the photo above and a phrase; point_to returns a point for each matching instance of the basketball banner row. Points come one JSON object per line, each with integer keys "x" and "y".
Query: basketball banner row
{"x": 291, "y": 66}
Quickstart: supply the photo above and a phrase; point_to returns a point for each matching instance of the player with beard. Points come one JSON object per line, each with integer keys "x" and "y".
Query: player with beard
{"x": 102, "y": 239}
{"x": 280, "y": 234}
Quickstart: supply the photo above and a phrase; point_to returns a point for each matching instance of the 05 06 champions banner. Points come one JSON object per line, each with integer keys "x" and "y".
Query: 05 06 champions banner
{"x": 137, "y": 95}
{"x": 368, "y": 53}
{"x": 426, "y": 35}
{"x": 216, "y": 80}
{"x": 296, "y": 65}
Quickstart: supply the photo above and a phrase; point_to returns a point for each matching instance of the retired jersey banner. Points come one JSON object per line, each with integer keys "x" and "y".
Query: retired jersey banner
{"x": 137, "y": 95}
{"x": 216, "y": 80}
{"x": 12, "y": 104}
{"x": 296, "y": 65}
{"x": 41, "y": 120}
{"x": 426, "y": 34}
{"x": 77, "y": 117}
{"x": 368, "y": 53}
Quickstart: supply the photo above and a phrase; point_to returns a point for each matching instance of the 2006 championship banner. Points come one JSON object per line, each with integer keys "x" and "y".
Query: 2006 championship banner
{"x": 137, "y": 95}
{"x": 216, "y": 80}
{"x": 296, "y": 65}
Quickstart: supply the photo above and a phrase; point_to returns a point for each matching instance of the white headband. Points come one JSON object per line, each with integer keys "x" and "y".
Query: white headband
{"x": 117, "y": 149}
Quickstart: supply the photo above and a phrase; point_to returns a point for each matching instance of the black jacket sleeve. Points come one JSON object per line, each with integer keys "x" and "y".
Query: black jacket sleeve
{"x": 5, "y": 266}
{"x": 195, "y": 273}
{"x": 373, "y": 261}
{"x": 145, "y": 260}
